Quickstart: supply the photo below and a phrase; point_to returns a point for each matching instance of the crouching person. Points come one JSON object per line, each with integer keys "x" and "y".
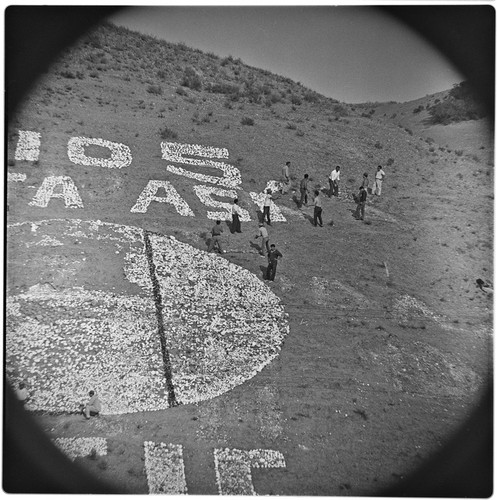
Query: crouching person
{"x": 93, "y": 406}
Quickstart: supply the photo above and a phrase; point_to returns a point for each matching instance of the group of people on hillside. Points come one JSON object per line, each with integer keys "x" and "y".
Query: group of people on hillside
{"x": 334, "y": 181}
{"x": 270, "y": 251}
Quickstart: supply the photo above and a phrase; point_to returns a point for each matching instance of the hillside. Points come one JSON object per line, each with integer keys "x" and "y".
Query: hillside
{"x": 388, "y": 338}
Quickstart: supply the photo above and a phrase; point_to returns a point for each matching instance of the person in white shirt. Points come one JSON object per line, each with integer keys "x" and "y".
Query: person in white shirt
{"x": 265, "y": 239}
{"x": 235, "y": 216}
{"x": 379, "y": 178}
{"x": 334, "y": 181}
{"x": 267, "y": 206}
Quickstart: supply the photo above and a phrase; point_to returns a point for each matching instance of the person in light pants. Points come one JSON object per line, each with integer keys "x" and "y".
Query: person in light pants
{"x": 379, "y": 177}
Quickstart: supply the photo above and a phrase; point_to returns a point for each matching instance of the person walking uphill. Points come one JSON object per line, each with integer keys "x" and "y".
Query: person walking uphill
{"x": 272, "y": 258}
{"x": 265, "y": 239}
{"x": 285, "y": 178}
{"x": 378, "y": 181}
{"x": 318, "y": 209}
{"x": 361, "y": 203}
{"x": 334, "y": 180}
{"x": 266, "y": 216}
{"x": 216, "y": 237}
{"x": 304, "y": 189}
{"x": 235, "y": 215}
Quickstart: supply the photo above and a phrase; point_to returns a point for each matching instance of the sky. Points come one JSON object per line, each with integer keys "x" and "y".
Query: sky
{"x": 354, "y": 54}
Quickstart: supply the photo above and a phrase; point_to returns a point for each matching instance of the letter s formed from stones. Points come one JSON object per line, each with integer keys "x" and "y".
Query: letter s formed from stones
{"x": 174, "y": 151}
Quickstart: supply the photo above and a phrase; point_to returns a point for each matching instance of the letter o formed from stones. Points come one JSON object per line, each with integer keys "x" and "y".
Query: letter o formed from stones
{"x": 135, "y": 316}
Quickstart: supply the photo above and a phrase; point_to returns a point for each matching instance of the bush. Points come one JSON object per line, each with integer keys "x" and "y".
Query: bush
{"x": 166, "y": 133}
{"x": 460, "y": 105}
{"x": 311, "y": 96}
{"x": 378, "y": 145}
{"x": 67, "y": 74}
{"x": 291, "y": 126}
{"x": 181, "y": 91}
{"x": 418, "y": 109}
{"x": 191, "y": 79}
{"x": 247, "y": 121}
{"x": 390, "y": 162}
{"x": 154, "y": 89}
{"x": 340, "y": 110}
{"x": 296, "y": 100}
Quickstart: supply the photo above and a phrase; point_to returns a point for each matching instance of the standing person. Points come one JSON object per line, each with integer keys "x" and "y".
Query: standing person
{"x": 361, "y": 203}
{"x": 378, "y": 181}
{"x": 272, "y": 258}
{"x": 93, "y": 406}
{"x": 265, "y": 239}
{"x": 318, "y": 209}
{"x": 304, "y": 190}
{"x": 285, "y": 178}
{"x": 216, "y": 237}
{"x": 267, "y": 207}
{"x": 235, "y": 215}
{"x": 334, "y": 180}
{"x": 365, "y": 181}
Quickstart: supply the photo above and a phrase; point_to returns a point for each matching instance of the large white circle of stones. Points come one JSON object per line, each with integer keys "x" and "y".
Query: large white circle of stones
{"x": 143, "y": 319}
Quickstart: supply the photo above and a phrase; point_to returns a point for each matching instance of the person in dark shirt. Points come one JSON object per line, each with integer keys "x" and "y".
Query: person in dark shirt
{"x": 361, "y": 203}
{"x": 272, "y": 258}
{"x": 216, "y": 237}
{"x": 304, "y": 190}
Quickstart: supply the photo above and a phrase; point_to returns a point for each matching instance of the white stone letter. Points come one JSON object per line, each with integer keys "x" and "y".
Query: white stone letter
{"x": 205, "y": 195}
{"x": 233, "y": 468}
{"x": 120, "y": 153}
{"x": 149, "y": 194}
{"x": 174, "y": 151}
{"x": 15, "y": 177}
{"x": 82, "y": 447}
{"x": 165, "y": 468}
{"x": 28, "y": 146}
{"x": 46, "y": 192}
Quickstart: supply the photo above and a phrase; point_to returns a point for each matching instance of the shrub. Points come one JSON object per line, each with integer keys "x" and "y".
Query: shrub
{"x": 390, "y": 162}
{"x": 154, "y": 89}
{"x": 340, "y": 110}
{"x": 460, "y": 105}
{"x": 181, "y": 91}
{"x": 223, "y": 88}
{"x": 247, "y": 121}
{"x": 166, "y": 133}
{"x": 161, "y": 74}
{"x": 459, "y": 152}
{"x": 418, "y": 109}
{"x": 191, "y": 79}
{"x": 67, "y": 74}
{"x": 378, "y": 145}
{"x": 311, "y": 96}
{"x": 291, "y": 126}
{"x": 296, "y": 100}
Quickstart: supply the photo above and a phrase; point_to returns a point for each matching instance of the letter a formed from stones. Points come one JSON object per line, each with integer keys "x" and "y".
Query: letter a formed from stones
{"x": 172, "y": 196}
{"x": 46, "y": 192}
